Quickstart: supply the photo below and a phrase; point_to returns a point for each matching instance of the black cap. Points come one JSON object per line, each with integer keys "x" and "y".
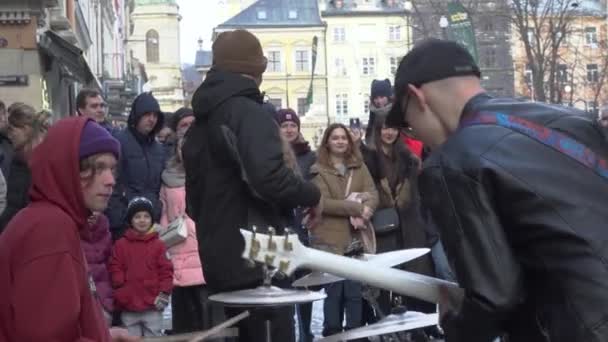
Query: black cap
{"x": 431, "y": 60}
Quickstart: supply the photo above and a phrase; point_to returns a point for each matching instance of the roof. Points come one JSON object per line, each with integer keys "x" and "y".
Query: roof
{"x": 277, "y": 13}
{"x": 203, "y": 58}
{"x": 354, "y": 7}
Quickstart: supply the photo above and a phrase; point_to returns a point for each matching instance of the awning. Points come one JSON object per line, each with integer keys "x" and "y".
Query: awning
{"x": 70, "y": 57}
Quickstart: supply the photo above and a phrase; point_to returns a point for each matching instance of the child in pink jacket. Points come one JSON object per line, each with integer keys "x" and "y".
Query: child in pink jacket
{"x": 191, "y": 310}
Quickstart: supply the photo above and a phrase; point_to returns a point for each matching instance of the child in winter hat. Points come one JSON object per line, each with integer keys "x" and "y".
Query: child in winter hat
{"x": 142, "y": 275}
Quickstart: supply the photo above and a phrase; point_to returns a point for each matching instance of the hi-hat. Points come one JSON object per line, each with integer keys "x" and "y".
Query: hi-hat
{"x": 266, "y": 296}
{"x": 390, "y": 324}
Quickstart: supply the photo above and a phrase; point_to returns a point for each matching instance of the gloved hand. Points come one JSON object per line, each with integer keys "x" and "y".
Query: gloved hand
{"x": 161, "y": 301}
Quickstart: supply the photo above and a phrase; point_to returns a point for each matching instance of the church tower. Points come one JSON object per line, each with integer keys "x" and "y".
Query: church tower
{"x": 154, "y": 40}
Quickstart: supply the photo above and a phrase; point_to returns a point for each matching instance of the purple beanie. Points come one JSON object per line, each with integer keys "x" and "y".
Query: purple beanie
{"x": 95, "y": 139}
{"x": 287, "y": 114}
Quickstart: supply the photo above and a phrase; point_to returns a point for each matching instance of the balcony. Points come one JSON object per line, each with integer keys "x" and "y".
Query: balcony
{"x": 59, "y": 19}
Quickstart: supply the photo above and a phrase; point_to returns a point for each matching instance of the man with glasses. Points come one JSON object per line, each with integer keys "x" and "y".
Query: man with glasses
{"x": 90, "y": 103}
{"x": 519, "y": 197}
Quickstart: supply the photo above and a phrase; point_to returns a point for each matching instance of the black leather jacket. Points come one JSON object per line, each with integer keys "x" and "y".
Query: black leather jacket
{"x": 525, "y": 228}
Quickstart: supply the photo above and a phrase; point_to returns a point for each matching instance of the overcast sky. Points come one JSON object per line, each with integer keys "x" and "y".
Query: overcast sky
{"x": 198, "y": 20}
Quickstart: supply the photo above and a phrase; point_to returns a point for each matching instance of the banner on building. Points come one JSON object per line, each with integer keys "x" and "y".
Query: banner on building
{"x": 309, "y": 96}
{"x": 461, "y": 28}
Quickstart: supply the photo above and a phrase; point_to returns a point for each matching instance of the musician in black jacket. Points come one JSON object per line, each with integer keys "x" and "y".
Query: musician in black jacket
{"x": 523, "y": 223}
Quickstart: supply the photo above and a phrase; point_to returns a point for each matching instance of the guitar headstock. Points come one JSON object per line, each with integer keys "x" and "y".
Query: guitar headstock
{"x": 276, "y": 251}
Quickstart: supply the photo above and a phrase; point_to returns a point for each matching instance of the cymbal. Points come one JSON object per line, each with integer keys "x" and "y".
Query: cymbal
{"x": 266, "y": 296}
{"x": 390, "y": 324}
{"x": 388, "y": 259}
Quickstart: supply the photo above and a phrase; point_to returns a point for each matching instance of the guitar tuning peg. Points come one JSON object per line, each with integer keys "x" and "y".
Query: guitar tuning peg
{"x": 255, "y": 245}
{"x": 272, "y": 246}
{"x": 287, "y": 246}
{"x": 249, "y": 263}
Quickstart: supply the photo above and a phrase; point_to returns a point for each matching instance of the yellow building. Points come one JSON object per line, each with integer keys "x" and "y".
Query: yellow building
{"x": 365, "y": 41}
{"x": 582, "y": 68}
{"x": 154, "y": 41}
{"x": 286, "y": 31}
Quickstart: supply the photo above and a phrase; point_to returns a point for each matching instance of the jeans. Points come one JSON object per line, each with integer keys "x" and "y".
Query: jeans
{"x": 342, "y": 297}
{"x": 146, "y": 323}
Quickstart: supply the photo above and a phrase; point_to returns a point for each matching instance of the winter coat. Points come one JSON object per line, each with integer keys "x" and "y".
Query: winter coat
{"x": 44, "y": 281}
{"x": 140, "y": 271}
{"x": 236, "y": 176}
{"x": 334, "y": 232}
{"x": 187, "y": 269}
{"x": 97, "y": 248}
{"x": 305, "y": 157}
{"x": 17, "y": 187}
{"x": 2, "y": 192}
{"x": 142, "y": 162}
{"x": 528, "y": 243}
{"x": 411, "y": 232}
{"x": 6, "y": 154}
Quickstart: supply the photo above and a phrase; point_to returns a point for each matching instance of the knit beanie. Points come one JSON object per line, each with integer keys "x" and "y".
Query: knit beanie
{"x": 138, "y": 204}
{"x": 381, "y": 88}
{"x": 287, "y": 114}
{"x": 239, "y": 52}
{"x": 178, "y": 116}
{"x": 95, "y": 139}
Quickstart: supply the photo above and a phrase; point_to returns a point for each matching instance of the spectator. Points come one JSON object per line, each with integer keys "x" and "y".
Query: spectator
{"x": 236, "y": 176}
{"x": 43, "y": 275}
{"x": 142, "y": 274}
{"x": 143, "y": 161}
{"x": 26, "y": 130}
{"x": 340, "y": 173}
{"x": 90, "y": 103}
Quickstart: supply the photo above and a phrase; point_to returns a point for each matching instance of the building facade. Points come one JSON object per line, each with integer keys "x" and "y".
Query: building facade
{"x": 492, "y": 26}
{"x": 365, "y": 41}
{"x": 581, "y": 71}
{"x": 288, "y": 30}
{"x": 154, "y": 41}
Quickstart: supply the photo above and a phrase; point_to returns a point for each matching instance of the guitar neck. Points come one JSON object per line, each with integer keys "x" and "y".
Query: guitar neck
{"x": 399, "y": 281}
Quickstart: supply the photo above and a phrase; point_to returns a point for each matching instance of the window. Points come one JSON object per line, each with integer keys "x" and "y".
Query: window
{"x": 368, "y": 66}
{"x": 293, "y": 14}
{"x": 394, "y": 63}
{"x": 339, "y": 34}
{"x": 561, "y": 74}
{"x": 488, "y": 25}
{"x": 262, "y": 15}
{"x": 274, "y": 61}
{"x": 302, "y": 104}
{"x": 340, "y": 67}
{"x": 341, "y": 104}
{"x": 365, "y": 103}
{"x": 302, "y": 60}
{"x": 591, "y": 35}
{"x": 489, "y": 58}
{"x": 528, "y": 75}
{"x": 276, "y": 102}
{"x": 152, "y": 46}
{"x": 394, "y": 33}
{"x": 593, "y": 75}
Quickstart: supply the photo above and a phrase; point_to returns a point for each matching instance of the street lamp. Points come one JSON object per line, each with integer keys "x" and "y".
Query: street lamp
{"x": 444, "y": 23}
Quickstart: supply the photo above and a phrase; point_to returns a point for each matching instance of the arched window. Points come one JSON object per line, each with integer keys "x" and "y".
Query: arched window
{"x": 152, "y": 46}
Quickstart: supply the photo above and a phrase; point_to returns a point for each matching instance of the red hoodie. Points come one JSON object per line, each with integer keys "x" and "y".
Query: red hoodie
{"x": 140, "y": 271}
{"x": 44, "y": 287}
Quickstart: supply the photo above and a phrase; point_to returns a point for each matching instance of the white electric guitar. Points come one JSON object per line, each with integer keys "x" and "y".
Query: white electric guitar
{"x": 286, "y": 254}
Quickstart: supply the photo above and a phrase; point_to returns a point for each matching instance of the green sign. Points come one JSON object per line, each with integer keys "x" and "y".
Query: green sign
{"x": 461, "y": 28}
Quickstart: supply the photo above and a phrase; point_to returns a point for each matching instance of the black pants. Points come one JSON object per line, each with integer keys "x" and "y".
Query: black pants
{"x": 253, "y": 328}
{"x": 192, "y": 311}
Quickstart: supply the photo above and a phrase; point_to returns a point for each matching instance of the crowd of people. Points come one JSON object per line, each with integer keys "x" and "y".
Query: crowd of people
{"x": 102, "y": 228}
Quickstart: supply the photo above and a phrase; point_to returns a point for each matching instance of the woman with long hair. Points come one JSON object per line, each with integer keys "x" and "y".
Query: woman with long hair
{"x": 394, "y": 169}
{"x": 26, "y": 129}
{"x": 190, "y": 308}
{"x": 340, "y": 173}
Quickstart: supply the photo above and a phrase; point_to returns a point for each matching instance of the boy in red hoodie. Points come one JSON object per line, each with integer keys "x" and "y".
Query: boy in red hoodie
{"x": 141, "y": 272}
{"x": 47, "y": 291}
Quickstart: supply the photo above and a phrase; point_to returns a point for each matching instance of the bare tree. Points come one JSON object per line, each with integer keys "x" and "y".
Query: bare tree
{"x": 542, "y": 26}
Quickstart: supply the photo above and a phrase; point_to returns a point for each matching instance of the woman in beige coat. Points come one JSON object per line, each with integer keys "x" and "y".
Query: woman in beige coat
{"x": 338, "y": 161}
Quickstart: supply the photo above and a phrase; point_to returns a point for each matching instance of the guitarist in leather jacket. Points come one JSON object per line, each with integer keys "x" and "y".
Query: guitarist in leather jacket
{"x": 523, "y": 223}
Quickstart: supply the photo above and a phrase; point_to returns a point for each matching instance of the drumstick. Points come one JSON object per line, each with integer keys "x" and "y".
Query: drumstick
{"x": 220, "y": 327}
{"x": 200, "y": 335}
